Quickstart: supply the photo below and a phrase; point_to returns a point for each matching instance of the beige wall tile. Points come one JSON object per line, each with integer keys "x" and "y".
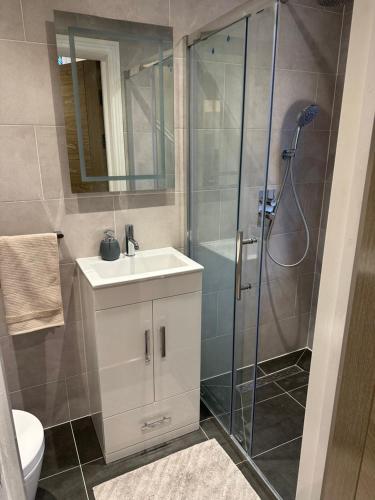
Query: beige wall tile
{"x": 44, "y": 356}
{"x": 281, "y": 337}
{"x": 83, "y": 222}
{"x": 186, "y": 17}
{"x": 53, "y": 159}
{"x": 47, "y": 402}
{"x": 154, "y": 226}
{"x": 19, "y": 168}
{"x": 293, "y": 91}
{"x": 78, "y": 396}
{"x": 38, "y": 14}
{"x": 28, "y": 217}
{"x": 11, "y": 20}
{"x": 29, "y": 85}
{"x": 309, "y": 39}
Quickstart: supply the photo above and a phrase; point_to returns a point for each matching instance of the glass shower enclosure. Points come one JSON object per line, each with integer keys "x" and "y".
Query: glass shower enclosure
{"x": 231, "y": 89}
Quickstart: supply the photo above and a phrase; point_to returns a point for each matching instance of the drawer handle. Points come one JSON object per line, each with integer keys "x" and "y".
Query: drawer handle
{"x": 147, "y": 426}
{"x": 163, "y": 350}
{"x": 147, "y": 346}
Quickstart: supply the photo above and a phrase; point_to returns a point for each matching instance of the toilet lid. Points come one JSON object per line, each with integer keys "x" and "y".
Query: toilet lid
{"x": 30, "y": 438}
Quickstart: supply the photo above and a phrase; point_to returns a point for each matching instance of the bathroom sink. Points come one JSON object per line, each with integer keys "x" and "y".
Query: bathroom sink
{"x": 144, "y": 265}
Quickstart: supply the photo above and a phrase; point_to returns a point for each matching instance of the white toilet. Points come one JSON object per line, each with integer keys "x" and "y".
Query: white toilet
{"x": 30, "y": 438}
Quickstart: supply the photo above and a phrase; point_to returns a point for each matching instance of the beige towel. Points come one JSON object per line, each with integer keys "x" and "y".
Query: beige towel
{"x": 30, "y": 282}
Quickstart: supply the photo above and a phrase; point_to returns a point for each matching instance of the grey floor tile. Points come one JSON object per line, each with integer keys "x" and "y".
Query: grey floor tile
{"x": 60, "y": 452}
{"x": 276, "y": 421}
{"x": 294, "y": 381}
{"x": 98, "y": 471}
{"x": 300, "y": 394}
{"x": 68, "y": 485}
{"x": 276, "y": 376}
{"x": 280, "y": 466}
{"x": 86, "y": 439}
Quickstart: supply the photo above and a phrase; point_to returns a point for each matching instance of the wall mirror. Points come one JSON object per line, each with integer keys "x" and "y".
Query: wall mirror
{"x": 117, "y": 88}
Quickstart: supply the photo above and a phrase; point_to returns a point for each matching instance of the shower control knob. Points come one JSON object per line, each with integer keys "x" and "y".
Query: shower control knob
{"x": 246, "y": 287}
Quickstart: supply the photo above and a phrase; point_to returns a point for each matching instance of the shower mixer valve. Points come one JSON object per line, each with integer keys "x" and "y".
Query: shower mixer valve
{"x": 269, "y": 206}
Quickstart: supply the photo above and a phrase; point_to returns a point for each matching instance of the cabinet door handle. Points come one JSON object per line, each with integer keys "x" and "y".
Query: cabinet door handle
{"x": 163, "y": 351}
{"x": 147, "y": 346}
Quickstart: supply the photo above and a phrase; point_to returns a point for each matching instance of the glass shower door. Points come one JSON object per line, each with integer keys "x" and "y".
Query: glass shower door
{"x": 217, "y": 69}
{"x": 261, "y": 40}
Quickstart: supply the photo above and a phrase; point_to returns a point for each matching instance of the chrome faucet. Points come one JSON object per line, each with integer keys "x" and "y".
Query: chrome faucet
{"x": 131, "y": 245}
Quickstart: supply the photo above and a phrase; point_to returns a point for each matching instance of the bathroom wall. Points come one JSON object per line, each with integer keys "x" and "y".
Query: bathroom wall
{"x": 339, "y": 86}
{"x": 306, "y": 72}
{"x": 46, "y": 370}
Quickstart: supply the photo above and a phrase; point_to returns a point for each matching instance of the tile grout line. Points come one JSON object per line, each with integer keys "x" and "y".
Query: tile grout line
{"x": 39, "y": 167}
{"x": 23, "y": 21}
{"x": 275, "y": 447}
{"x": 287, "y": 393}
{"x": 201, "y": 428}
{"x": 58, "y": 473}
{"x": 79, "y": 461}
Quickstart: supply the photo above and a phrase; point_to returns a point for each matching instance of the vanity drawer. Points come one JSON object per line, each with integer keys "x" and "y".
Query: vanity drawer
{"x": 144, "y": 423}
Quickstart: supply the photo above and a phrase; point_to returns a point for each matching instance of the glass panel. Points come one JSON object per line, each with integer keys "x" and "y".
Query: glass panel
{"x": 255, "y": 152}
{"x": 217, "y": 79}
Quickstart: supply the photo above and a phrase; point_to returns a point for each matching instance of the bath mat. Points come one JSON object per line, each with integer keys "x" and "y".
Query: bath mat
{"x": 202, "y": 472}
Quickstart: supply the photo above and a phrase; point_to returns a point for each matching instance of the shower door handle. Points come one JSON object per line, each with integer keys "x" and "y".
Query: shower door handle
{"x": 239, "y": 244}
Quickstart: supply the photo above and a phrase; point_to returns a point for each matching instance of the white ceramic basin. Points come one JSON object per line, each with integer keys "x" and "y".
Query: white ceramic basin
{"x": 144, "y": 265}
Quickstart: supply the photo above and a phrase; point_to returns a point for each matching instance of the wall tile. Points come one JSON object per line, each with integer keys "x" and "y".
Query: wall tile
{"x": 209, "y": 315}
{"x": 180, "y": 93}
{"x": 216, "y": 356}
{"x": 19, "y": 169}
{"x": 254, "y": 159}
{"x": 206, "y": 206}
{"x": 157, "y": 226}
{"x": 209, "y": 88}
{"x": 78, "y": 396}
{"x": 29, "y": 85}
{"x": 53, "y": 159}
{"x": 324, "y": 98}
{"x": 304, "y": 293}
{"x": 228, "y": 213}
{"x": 283, "y": 336}
{"x": 11, "y": 25}
{"x": 27, "y": 217}
{"x": 294, "y": 90}
{"x": 234, "y": 74}
{"x": 43, "y": 356}
{"x": 38, "y": 14}
{"x": 186, "y": 17}
{"x": 309, "y": 39}
{"x": 83, "y": 222}
{"x": 47, "y": 402}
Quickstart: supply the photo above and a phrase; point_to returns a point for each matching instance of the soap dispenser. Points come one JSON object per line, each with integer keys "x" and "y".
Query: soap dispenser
{"x": 109, "y": 246}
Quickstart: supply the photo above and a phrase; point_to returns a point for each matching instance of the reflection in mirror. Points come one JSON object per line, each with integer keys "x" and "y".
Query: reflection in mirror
{"x": 117, "y": 88}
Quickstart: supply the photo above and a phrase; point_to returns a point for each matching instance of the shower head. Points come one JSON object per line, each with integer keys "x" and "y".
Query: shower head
{"x": 307, "y": 115}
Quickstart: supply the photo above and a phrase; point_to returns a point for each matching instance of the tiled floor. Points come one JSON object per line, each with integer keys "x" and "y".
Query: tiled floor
{"x": 73, "y": 462}
{"x": 281, "y": 391}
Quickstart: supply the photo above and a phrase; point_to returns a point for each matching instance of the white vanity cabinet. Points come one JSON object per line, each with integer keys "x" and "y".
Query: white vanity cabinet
{"x": 143, "y": 354}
